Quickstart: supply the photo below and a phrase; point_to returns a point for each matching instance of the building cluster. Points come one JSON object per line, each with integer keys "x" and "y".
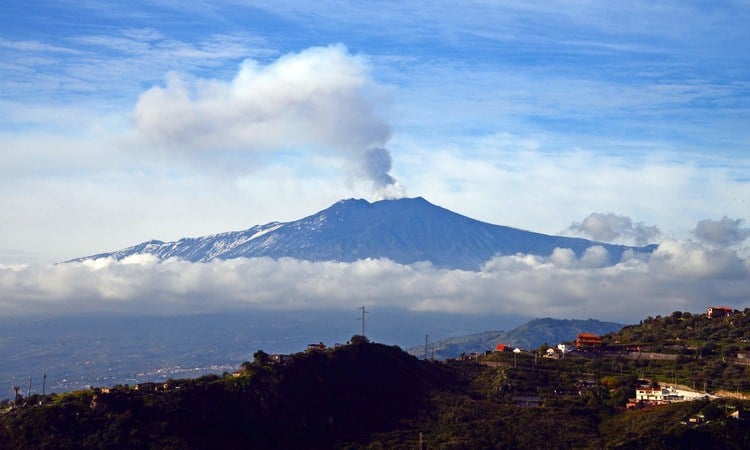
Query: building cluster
{"x": 507, "y": 348}
{"x": 658, "y": 395}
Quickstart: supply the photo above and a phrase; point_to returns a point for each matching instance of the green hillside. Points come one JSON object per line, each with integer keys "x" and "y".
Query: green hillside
{"x": 367, "y": 395}
{"x": 688, "y": 333}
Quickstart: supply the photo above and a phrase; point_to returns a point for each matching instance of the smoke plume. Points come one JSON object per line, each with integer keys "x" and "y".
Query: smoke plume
{"x": 377, "y": 165}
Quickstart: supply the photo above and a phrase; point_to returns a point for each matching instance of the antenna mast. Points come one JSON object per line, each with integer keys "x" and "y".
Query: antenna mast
{"x": 363, "y": 319}
{"x": 426, "y": 340}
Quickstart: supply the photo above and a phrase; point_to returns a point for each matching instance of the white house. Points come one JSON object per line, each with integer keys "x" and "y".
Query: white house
{"x": 659, "y": 394}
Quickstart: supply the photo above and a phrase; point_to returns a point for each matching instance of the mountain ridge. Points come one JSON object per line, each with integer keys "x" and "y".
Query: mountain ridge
{"x": 406, "y": 231}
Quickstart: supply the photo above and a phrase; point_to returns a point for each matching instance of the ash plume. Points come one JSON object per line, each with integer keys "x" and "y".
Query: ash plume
{"x": 377, "y": 164}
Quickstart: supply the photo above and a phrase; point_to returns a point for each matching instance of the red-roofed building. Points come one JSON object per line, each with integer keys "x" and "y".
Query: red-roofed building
{"x": 588, "y": 341}
{"x": 502, "y": 348}
{"x": 713, "y": 312}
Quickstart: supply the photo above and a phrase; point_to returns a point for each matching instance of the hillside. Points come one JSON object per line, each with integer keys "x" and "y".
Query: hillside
{"x": 320, "y": 398}
{"x": 690, "y": 349}
{"x": 688, "y": 333}
{"x": 365, "y": 395}
{"x": 406, "y": 231}
{"x": 528, "y": 336}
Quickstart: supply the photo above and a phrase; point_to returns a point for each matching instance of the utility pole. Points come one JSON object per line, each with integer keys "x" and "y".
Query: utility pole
{"x": 44, "y": 384}
{"x": 29, "y": 394}
{"x": 426, "y": 340}
{"x": 363, "y": 319}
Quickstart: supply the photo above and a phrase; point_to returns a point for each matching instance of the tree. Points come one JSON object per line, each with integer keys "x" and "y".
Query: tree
{"x": 359, "y": 339}
{"x": 260, "y": 358}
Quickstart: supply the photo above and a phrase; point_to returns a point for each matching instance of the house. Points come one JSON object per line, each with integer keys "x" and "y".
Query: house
{"x": 659, "y": 394}
{"x": 502, "y": 348}
{"x": 649, "y": 396}
{"x": 278, "y": 358}
{"x": 740, "y": 415}
{"x": 715, "y": 312}
{"x": 316, "y": 347}
{"x": 148, "y": 386}
{"x": 588, "y": 341}
{"x": 743, "y": 358}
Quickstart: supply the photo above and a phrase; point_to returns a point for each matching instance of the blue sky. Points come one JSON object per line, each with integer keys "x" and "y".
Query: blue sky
{"x": 127, "y": 121}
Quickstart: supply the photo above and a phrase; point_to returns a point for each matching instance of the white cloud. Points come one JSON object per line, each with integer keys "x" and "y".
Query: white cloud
{"x": 678, "y": 259}
{"x": 722, "y": 232}
{"x": 34, "y": 46}
{"x": 680, "y": 275}
{"x": 313, "y": 98}
{"x": 615, "y": 228}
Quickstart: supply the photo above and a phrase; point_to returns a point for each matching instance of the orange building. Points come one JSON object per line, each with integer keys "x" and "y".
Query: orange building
{"x": 713, "y": 312}
{"x": 588, "y": 341}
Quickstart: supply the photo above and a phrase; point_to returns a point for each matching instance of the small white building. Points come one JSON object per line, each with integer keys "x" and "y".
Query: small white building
{"x": 565, "y": 348}
{"x": 659, "y": 394}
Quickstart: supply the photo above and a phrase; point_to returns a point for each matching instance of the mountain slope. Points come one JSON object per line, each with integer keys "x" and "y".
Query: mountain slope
{"x": 406, "y": 231}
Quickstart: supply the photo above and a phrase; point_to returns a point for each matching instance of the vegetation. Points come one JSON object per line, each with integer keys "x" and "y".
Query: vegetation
{"x": 704, "y": 350}
{"x": 367, "y": 395}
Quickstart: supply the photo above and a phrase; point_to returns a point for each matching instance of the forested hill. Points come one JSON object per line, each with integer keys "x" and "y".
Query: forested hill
{"x": 688, "y": 333}
{"x": 316, "y": 400}
{"x": 365, "y": 395}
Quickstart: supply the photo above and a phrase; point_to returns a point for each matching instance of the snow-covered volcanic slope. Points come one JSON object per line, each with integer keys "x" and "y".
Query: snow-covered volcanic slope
{"x": 406, "y": 230}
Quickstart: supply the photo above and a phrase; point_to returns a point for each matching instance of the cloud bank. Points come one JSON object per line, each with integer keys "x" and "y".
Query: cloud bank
{"x": 678, "y": 276}
{"x": 615, "y": 228}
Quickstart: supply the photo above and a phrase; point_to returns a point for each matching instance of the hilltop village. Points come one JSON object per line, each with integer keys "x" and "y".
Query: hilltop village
{"x": 662, "y": 383}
